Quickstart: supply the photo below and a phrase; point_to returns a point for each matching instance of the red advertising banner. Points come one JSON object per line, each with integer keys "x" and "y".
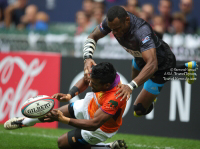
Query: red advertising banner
{"x": 24, "y": 75}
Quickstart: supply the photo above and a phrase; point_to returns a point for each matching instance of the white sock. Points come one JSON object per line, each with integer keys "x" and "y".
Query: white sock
{"x": 30, "y": 121}
{"x": 101, "y": 146}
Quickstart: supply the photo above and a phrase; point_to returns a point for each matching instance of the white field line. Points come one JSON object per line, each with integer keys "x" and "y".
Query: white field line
{"x": 29, "y": 134}
{"x": 56, "y": 137}
{"x": 147, "y": 146}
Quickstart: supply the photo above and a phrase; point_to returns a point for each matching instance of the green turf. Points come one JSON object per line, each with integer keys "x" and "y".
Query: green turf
{"x": 37, "y": 138}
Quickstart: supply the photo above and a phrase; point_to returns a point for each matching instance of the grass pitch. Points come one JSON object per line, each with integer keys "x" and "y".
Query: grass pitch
{"x": 37, "y": 138}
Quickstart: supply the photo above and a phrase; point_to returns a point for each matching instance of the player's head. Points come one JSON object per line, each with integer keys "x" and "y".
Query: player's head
{"x": 118, "y": 20}
{"x": 102, "y": 76}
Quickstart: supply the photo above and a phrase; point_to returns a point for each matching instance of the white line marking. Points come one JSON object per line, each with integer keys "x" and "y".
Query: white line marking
{"x": 146, "y": 146}
{"x": 29, "y": 134}
{"x": 56, "y": 137}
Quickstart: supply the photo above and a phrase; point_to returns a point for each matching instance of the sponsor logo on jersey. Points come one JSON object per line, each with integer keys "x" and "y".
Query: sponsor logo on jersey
{"x": 147, "y": 38}
{"x": 134, "y": 53}
{"x": 113, "y": 103}
{"x": 153, "y": 88}
{"x": 101, "y": 26}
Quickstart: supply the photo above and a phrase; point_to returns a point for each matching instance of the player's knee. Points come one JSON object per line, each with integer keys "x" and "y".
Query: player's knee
{"x": 139, "y": 110}
{"x": 60, "y": 143}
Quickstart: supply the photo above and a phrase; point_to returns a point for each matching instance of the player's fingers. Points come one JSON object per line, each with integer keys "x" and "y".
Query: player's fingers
{"x": 128, "y": 96}
{"x": 93, "y": 63}
{"x": 119, "y": 86}
{"x": 59, "y": 112}
{"x": 119, "y": 91}
{"x": 121, "y": 94}
{"x": 57, "y": 96}
{"x": 47, "y": 119}
{"x": 48, "y": 115}
{"x": 124, "y": 97}
{"x": 54, "y": 96}
{"x": 55, "y": 110}
{"x": 86, "y": 71}
{"x": 63, "y": 97}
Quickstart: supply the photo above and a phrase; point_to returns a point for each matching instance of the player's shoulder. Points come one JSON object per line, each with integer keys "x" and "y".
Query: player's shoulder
{"x": 111, "y": 99}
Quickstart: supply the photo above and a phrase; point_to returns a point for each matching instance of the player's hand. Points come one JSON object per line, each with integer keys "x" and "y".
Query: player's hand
{"x": 51, "y": 116}
{"x": 88, "y": 68}
{"x": 124, "y": 92}
{"x": 46, "y": 119}
{"x": 62, "y": 97}
{"x": 55, "y": 115}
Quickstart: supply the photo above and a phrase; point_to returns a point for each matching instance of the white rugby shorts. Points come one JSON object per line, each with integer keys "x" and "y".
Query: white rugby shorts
{"x": 81, "y": 112}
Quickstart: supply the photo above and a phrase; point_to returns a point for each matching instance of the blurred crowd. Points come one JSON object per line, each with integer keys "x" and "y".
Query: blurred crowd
{"x": 181, "y": 22}
{"x": 22, "y": 16}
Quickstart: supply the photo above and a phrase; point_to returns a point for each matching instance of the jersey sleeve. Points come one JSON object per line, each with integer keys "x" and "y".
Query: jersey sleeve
{"x": 111, "y": 105}
{"x": 144, "y": 35}
{"x": 104, "y": 27}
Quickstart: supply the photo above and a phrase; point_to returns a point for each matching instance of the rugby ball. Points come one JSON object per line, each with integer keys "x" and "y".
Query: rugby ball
{"x": 37, "y": 106}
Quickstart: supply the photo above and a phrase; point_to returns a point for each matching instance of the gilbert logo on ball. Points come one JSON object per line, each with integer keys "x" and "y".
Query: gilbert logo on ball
{"x": 38, "y": 106}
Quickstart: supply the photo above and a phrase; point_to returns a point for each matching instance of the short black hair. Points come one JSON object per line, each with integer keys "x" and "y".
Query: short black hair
{"x": 105, "y": 72}
{"x": 116, "y": 12}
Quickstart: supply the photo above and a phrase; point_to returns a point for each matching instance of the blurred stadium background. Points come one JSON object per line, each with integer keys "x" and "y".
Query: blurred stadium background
{"x": 41, "y": 53}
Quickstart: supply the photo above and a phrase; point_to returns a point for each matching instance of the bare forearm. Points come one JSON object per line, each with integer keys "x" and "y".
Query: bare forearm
{"x": 79, "y": 123}
{"x": 83, "y": 124}
{"x": 96, "y": 34}
{"x": 146, "y": 73}
{"x": 82, "y": 85}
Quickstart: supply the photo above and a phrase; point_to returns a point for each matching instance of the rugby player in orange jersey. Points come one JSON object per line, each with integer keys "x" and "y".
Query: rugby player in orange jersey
{"x": 97, "y": 117}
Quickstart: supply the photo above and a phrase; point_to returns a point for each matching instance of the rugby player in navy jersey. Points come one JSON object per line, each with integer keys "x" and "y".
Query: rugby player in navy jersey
{"x": 152, "y": 56}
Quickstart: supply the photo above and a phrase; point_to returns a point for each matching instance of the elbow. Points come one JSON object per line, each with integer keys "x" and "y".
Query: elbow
{"x": 155, "y": 66}
{"x": 95, "y": 126}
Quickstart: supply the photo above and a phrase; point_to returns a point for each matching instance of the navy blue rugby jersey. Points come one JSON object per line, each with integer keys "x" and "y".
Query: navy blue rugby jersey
{"x": 140, "y": 38}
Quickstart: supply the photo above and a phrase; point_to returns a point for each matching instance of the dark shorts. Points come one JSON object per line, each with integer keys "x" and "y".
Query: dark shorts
{"x": 75, "y": 138}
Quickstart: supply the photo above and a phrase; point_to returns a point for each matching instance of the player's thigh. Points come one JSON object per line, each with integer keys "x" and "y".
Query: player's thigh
{"x": 72, "y": 140}
{"x": 67, "y": 110}
{"x": 63, "y": 141}
{"x": 148, "y": 94}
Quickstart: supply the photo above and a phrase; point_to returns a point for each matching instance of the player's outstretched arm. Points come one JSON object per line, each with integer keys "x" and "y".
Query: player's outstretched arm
{"x": 96, "y": 34}
{"x": 89, "y": 48}
{"x": 99, "y": 119}
{"x": 148, "y": 70}
{"x": 78, "y": 88}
